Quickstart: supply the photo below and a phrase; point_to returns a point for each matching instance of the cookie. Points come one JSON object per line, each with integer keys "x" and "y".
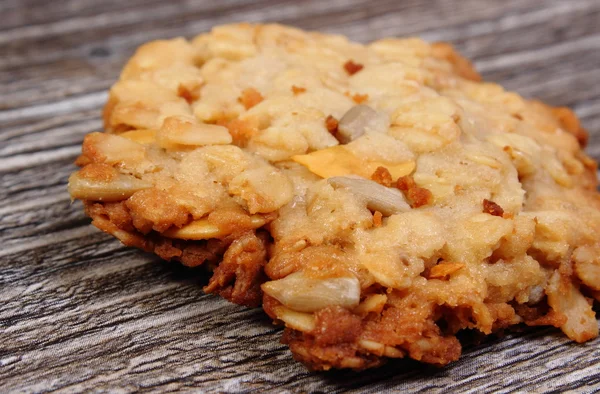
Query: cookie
{"x": 374, "y": 199}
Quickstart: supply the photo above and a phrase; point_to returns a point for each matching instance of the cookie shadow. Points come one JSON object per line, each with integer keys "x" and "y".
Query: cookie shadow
{"x": 392, "y": 373}
{"x": 174, "y": 271}
{"x": 406, "y": 374}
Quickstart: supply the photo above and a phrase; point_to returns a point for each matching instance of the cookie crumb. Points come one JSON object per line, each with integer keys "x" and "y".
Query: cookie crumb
{"x": 352, "y": 68}
{"x": 241, "y": 130}
{"x": 382, "y": 176}
{"x": 492, "y": 208}
{"x": 298, "y": 89}
{"x": 417, "y": 196}
{"x": 332, "y": 124}
{"x": 377, "y": 219}
{"x": 360, "y": 98}
{"x": 187, "y": 94}
{"x": 250, "y": 97}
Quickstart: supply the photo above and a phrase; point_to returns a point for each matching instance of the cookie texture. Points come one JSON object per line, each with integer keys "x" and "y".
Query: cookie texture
{"x": 374, "y": 199}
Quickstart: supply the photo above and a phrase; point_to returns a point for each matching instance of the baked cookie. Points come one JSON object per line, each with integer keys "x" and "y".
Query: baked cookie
{"x": 375, "y": 199}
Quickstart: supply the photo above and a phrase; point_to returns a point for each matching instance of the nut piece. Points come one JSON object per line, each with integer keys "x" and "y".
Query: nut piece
{"x": 392, "y": 352}
{"x": 536, "y": 294}
{"x": 300, "y": 321}
{"x": 355, "y": 122}
{"x": 372, "y": 346}
{"x": 141, "y": 136}
{"x": 203, "y": 229}
{"x": 264, "y": 189}
{"x": 106, "y": 185}
{"x": 339, "y": 161}
{"x": 181, "y": 131}
{"x": 373, "y": 303}
{"x": 444, "y": 269}
{"x": 379, "y": 198}
{"x": 305, "y": 294}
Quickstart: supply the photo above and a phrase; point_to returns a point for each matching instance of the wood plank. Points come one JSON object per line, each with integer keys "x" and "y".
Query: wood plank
{"x": 80, "y": 312}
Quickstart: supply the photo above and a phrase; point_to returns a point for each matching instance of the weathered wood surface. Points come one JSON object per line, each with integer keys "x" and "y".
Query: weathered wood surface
{"x": 79, "y": 312}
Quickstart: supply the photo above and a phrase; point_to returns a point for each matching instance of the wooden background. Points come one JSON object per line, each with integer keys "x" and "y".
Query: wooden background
{"x": 79, "y": 312}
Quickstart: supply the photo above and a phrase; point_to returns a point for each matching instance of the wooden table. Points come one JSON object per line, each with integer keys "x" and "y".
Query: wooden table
{"x": 80, "y": 312}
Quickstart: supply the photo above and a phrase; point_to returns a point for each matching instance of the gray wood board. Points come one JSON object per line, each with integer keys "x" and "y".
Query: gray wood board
{"x": 80, "y": 312}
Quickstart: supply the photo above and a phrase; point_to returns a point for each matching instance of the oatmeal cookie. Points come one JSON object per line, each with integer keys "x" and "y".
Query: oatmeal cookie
{"x": 374, "y": 199}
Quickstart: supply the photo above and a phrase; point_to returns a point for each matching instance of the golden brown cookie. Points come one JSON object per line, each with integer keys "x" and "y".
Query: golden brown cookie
{"x": 375, "y": 199}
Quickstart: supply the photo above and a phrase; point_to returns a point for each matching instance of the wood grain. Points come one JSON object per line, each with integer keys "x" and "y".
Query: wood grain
{"x": 79, "y": 312}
